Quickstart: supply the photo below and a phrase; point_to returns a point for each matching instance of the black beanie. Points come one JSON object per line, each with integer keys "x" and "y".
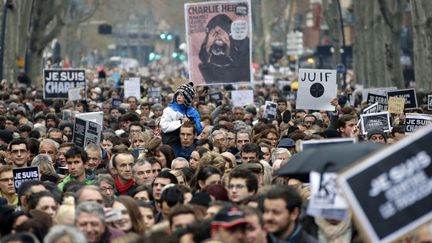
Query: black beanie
{"x": 187, "y": 91}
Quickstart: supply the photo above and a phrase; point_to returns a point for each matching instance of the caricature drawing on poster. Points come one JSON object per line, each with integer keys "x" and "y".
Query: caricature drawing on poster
{"x": 219, "y": 41}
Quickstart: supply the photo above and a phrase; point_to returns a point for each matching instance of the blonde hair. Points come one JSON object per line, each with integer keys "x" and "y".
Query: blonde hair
{"x": 214, "y": 159}
{"x": 66, "y": 212}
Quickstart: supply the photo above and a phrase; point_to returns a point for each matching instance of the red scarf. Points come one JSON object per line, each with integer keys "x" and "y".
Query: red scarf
{"x": 122, "y": 189}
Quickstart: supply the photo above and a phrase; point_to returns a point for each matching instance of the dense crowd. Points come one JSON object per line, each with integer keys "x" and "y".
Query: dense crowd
{"x": 178, "y": 168}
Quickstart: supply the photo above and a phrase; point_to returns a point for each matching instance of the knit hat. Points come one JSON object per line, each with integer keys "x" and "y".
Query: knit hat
{"x": 377, "y": 132}
{"x": 188, "y": 92}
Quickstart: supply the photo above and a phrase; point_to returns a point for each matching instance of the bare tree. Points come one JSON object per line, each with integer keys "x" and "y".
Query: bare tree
{"x": 47, "y": 21}
{"x": 331, "y": 14}
{"x": 421, "y": 12}
{"x": 392, "y": 12}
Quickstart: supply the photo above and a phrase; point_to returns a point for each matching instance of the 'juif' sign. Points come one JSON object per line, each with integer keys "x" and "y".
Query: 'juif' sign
{"x": 317, "y": 87}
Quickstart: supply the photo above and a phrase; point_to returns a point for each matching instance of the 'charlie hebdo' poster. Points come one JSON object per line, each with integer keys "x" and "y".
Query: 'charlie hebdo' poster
{"x": 219, "y": 41}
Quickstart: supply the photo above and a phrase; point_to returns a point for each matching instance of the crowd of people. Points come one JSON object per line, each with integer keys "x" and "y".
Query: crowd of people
{"x": 185, "y": 168}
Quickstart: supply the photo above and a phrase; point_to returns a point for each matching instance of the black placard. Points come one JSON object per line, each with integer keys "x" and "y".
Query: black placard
{"x": 380, "y": 99}
{"x": 391, "y": 191}
{"x": 375, "y": 121}
{"x": 57, "y": 82}
{"x": 25, "y": 174}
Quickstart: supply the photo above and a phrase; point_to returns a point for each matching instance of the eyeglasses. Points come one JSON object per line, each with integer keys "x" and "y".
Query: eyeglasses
{"x": 19, "y": 151}
{"x": 107, "y": 189}
{"x": 236, "y": 186}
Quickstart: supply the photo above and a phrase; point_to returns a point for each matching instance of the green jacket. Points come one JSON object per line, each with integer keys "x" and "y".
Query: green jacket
{"x": 87, "y": 181}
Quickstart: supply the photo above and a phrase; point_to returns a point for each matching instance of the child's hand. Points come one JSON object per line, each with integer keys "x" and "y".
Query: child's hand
{"x": 185, "y": 120}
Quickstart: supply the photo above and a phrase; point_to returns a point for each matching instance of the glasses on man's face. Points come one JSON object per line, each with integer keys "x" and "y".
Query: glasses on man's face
{"x": 236, "y": 186}
{"x": 107, "y": 189}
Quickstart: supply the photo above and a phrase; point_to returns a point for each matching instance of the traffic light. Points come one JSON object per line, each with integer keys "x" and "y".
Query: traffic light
{"x": 163, "y": 36}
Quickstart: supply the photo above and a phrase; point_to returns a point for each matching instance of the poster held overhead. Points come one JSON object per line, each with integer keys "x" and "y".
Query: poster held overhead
{"x": 408, "y": 94}
{"x": 317, "y": 87}
{"x": 57, "y": 82}
{"x": 375, "y": 121}
{"x": 270, "y": 110}
{"x": 21, "y": 175}
{"x": 132, "y": 88}
{"x": 219, "y": 38}
{"x": 414, "y": 121}
{"x": 242, "y": 97}
{"x": 390, "y": 191}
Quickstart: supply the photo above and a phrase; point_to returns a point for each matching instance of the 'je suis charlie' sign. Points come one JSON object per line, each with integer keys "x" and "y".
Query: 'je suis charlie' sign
{"x": 391, "y": 191}
{"x": 57, "y": 82}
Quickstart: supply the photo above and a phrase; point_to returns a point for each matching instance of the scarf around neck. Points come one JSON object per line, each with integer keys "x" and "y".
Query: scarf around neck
{"x": 123, "y": 188}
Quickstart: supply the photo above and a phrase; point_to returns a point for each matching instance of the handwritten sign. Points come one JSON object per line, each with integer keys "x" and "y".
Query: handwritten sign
{"x": 396, "y": 105}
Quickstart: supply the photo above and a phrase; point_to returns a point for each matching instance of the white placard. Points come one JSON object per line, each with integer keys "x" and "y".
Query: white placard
{"x": 317, "y": 87}
{"x": 270, "y": 110}
{"x": 242, "y": 97}
{"x": 326, "y": 199}
{"x": 75, "y": 94}
{"x": 132, "y": 88}
{"x": 269, "y": 79}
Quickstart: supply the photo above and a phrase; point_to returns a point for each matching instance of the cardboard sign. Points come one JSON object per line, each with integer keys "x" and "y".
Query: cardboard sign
{"x": 317, "y": 87}
{"x": 371, "y": 109}
{"x": 75, "y": 94}
{"x": 270, "y": 110}
{"x": 396, "y": 105}
{"x": 242, "y": 97}
{"x": 21, "y": 175}
{"x": 86, "y": 132}
{"x": 132, "y": 87}
{"x": 429, "y": 106}
{"x": 375, "y": 121}
{"x": 307, "y": 144}
{"x": 326, "y": 200}
{"x": 57, "y": 82}
{"x": 219, "y": 40}
{"x": 380, "y": 99}
{"x": 414, "y": 121}
{"x": 391, "y": 191}
{"x": 408, "y": 94}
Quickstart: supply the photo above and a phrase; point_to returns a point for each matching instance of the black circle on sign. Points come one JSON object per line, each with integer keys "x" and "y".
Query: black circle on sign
{"x": 317, "y": 90}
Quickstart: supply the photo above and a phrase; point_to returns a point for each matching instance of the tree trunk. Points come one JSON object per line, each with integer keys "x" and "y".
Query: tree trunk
{"x": 331, "y": 15}
{"x": 392, "y": 12}
{"x": 422, "y": 35}
{"x": 360, "y": 48}
{"x": 258, "y": 33}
